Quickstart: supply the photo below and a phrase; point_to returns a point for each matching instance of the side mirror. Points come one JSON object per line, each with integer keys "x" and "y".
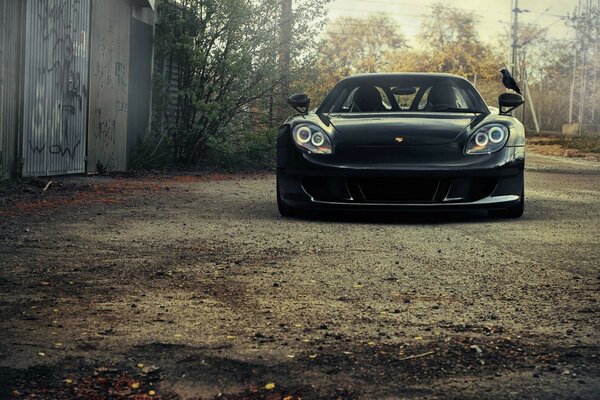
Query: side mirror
{"x": 509, "y": 101}
{"x": 299, "y": 102}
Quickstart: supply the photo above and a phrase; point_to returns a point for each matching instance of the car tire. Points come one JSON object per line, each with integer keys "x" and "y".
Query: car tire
{"x": 285, "y": 210}
{"x": 515, "y": 211}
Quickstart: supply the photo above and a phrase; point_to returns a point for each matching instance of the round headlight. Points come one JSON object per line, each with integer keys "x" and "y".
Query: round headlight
{"x": 318, "y": 139}
{"x": 481, "y": 139}
{"x": 303, "y": 134}
{"x": 496, "y": 134}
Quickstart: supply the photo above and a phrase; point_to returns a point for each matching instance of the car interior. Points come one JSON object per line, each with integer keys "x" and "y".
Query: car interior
{"x": 370, "y": 99}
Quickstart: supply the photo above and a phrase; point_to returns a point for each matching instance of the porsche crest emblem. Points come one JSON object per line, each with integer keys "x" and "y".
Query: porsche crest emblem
{"x": 399, "y": 139}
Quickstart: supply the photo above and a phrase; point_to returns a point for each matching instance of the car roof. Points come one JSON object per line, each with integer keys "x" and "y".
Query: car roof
{"x": 378, "y": 76}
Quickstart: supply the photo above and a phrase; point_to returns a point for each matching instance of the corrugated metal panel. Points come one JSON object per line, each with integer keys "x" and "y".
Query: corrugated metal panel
{"x": 10, "y": 82}
{"x": 55, "y": 91}
{"x": 109, "y": 66}
{"x": 140, "y": 81}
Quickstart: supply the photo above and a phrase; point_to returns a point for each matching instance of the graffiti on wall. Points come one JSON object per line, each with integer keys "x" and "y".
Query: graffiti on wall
{"x": 109, "y": 92}
{"x": 60, "y": 28}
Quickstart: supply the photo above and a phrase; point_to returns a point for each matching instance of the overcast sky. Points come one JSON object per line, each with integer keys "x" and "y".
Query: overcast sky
{"x": 494, "y": 15}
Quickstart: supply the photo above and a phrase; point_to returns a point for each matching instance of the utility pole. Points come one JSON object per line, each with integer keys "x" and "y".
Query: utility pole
{"x": 595, "y": 62}
{"x": 518, "y": 71}
{"x": 574, "y": 81}
{"x": 515, "y": 36}
{"x": 286, "y": 27}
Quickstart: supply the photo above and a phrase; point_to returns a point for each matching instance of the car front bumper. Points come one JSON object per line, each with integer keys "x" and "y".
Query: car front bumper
{"x": 490, "y": 182}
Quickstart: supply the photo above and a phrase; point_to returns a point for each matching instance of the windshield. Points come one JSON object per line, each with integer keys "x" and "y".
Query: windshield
{"x": 397, "y": 93}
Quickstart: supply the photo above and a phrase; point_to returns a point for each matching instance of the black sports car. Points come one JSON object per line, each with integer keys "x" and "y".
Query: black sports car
{"x": 402, "y": 141}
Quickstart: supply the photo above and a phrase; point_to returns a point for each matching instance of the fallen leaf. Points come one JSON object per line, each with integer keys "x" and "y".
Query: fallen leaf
{"x": 68, "y": 381}
{"x": 149, "y": 369}
{"x": 312, "y": 356}
{"x": 288, "y": 398}
{"x": 151, "y": 393}
{"x": 135, "y": 385}
{"x": 44, "y": 283}
{"x": 290, "y": 356}
{"x": 371, "y": 343}
{"x": 230, "y": 337}
{"x": 58, "y": 344}
{"x": 177, "y": 335}
{"x": 140, "y": 365}
{"x": 41, "y": 354}
{"x": 270, "y": 386}
{"x": 418, "y": 338}
{"x": 347, "y": 352}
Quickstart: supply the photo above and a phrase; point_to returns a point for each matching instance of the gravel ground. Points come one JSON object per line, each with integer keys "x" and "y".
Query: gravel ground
{"x": 192, "y": 286}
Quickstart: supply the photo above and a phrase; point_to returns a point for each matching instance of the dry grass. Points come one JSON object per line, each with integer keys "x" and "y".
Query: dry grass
{"x": 587, "y": 147}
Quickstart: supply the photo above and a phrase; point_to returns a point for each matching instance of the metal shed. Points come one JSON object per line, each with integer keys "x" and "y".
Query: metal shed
{"x": 11, "y": 13}
{"x": 66, "y": 88}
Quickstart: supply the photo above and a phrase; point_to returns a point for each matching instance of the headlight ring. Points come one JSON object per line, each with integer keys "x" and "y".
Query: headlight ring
{"x": 312, "y": 139}
{"x": 487, "y": 139}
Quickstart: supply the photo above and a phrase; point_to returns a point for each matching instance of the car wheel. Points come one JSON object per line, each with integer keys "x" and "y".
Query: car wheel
{"x": 515, "y": 211}
{"x": 285, "y": 210}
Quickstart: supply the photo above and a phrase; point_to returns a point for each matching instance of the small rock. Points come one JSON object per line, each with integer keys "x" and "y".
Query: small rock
{"x": 476, "y": 348}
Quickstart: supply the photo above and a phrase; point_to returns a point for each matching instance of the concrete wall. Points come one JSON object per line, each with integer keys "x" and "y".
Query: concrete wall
{"x": 109, "y": 85}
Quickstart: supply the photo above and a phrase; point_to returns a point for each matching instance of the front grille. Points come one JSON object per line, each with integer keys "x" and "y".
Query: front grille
{"x": 398, "y": 190}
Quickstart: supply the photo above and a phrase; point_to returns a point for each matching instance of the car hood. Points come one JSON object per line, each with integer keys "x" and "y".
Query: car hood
{"x": 417, "y": 129}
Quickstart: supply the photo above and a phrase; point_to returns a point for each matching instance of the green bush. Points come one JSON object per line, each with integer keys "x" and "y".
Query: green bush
{"x": 243, "y": 151}
{"x": 151, "y": 152}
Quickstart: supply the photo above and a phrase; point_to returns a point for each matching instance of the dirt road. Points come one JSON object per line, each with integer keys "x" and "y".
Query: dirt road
{"x": 194, "y": 287}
